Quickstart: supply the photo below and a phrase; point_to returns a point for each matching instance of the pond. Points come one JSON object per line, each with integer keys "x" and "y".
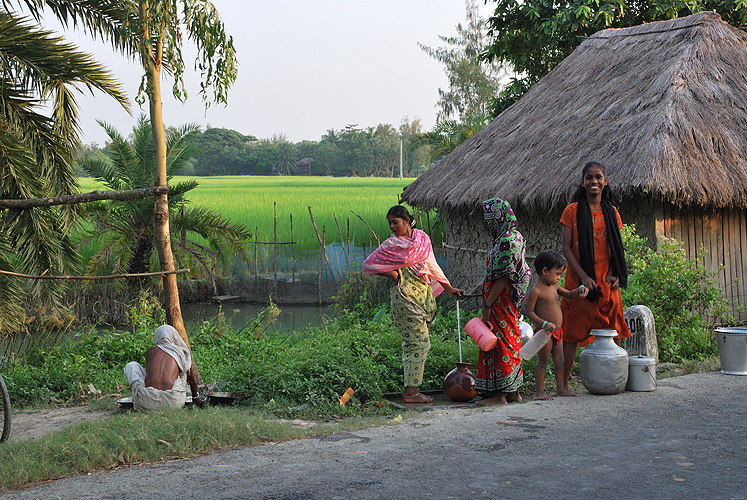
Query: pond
{"x": 291, "y": 317}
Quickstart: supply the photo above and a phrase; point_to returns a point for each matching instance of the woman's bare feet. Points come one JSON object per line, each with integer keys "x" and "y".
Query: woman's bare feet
{"x": 541, "y": 396}
{"x": 416, "y": 398}
{"x": 513, "y": 397}
{"x": 566, "y": 392}
{"x": 498, "y": 399}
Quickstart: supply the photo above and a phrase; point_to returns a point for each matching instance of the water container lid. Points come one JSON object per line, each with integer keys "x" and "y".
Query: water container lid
{"x": 604, "y": 333}
{"x": 732, "y": 329}
{"x": 641, "y": 360}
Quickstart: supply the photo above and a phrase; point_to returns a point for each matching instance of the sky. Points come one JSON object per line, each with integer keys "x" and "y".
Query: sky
{"x": 305, "y": 66}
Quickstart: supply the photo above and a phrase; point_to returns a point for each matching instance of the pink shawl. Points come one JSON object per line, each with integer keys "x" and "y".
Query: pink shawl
{"x": 416, "y": 252}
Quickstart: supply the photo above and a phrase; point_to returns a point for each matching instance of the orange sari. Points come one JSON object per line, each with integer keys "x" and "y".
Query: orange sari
{"x": 579, "y": 315}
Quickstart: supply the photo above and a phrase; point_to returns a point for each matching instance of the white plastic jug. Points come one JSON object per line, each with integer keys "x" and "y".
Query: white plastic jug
{"x": 534, "y": 345}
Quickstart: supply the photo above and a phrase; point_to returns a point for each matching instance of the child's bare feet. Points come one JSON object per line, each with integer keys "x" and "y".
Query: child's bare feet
{"x": 541, "y": 396}
{"x": 513, "y": 397}
{"x": 499, "y": 399}
{"x": 417, "y": 398}
{"x": 566, "y": 392}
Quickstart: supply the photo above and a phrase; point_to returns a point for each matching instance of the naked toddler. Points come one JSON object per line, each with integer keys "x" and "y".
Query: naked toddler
{"x": 543, "y": 309}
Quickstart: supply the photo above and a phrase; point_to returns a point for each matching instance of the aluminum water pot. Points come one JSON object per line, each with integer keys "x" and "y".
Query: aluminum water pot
{"x": 604, "y": 364}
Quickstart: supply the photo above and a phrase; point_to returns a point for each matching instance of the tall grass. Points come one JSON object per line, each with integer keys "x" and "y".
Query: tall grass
{"x": 250, "y": 200}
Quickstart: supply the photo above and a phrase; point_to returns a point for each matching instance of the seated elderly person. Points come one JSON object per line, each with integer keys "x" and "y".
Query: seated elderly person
{"x": 164, "y": 383}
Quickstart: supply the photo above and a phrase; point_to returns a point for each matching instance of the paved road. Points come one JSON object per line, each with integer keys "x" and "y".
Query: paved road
{"x": 686, "y": 440}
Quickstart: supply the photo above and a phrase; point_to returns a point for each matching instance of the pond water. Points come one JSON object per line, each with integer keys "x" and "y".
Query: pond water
{"x": 291, "y": 318}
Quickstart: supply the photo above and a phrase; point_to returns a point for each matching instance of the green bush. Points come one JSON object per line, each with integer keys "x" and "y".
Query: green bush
{"x": 307, "y": 369}
{"x": 682, "y": 294}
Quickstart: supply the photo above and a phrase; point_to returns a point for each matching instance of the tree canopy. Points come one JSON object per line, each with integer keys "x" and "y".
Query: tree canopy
{"x": 473, "y": 81}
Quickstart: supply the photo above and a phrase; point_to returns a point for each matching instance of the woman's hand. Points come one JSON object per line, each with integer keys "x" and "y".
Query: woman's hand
{"x": 589, "y": 283}
{"x": 486, "y": 315}
{"x": 454, "y": 292}
{"x": 613, "y": 282}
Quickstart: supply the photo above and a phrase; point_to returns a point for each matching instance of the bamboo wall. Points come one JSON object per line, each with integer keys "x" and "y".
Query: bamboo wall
{"x": 723, "y": 234}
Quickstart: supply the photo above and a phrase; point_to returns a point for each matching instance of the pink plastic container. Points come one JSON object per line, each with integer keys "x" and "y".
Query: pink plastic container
{"x": 481, "y": 333}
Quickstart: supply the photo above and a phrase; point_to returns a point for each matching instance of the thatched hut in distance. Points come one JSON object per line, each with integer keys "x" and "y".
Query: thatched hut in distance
{"x": 662, "y": 105}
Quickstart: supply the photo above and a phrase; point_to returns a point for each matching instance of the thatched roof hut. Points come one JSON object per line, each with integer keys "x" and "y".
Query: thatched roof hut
{"x": 662, "y": 105}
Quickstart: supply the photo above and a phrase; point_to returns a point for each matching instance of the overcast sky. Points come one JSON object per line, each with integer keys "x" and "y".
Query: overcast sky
{"x": 305, "y": 66}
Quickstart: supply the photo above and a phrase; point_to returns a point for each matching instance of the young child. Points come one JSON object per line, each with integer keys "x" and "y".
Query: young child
{"x": 543, "y": 309}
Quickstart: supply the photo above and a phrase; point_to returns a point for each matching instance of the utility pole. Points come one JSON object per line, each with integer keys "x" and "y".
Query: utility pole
{"x": 400, "y": 157}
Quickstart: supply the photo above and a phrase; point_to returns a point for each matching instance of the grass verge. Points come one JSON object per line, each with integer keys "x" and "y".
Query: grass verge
{"x": 138, "y": 438}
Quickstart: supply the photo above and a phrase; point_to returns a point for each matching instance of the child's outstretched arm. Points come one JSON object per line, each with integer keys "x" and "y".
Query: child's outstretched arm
{"x": 579, "y": 292}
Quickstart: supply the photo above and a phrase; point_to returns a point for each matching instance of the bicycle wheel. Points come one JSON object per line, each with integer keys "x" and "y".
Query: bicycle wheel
{"x": 5, "y": 413}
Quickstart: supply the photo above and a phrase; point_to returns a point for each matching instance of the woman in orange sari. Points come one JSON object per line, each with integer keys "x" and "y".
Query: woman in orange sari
{"x": 593, "y": 248}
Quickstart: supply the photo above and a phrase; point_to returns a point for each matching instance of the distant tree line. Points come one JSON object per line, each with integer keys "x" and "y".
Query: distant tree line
{"x": 352, "y": 151}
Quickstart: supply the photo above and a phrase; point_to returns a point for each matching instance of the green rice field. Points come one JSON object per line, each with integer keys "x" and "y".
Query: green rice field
{"x": 254, "y": 200}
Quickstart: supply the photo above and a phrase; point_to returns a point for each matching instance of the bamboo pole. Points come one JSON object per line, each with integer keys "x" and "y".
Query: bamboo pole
{"x": 321, "y": 243}
{"x": 256, "y": 256}
{"x": 342, "y": 242}
{"x": 275, "y": 256}
{"x": 92, "y": 278}
{"x": 71, "y": 199}
{"x": 321, "y": 265}
{"x": 369, "y": 228}
{"x": 293, "y": 255}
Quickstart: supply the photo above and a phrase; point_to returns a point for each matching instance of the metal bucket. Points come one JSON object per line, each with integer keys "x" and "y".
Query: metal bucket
{"x": 732, "y": 349}
{"x": 641, "y": 374}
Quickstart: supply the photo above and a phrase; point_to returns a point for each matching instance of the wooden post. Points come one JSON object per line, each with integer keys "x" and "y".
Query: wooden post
{"x": 342, "y": 242}
{"x": 324, "y": 253}
{"x": 293, "y": 259}
{"x": 256, "y": 256}
{"x": 321, "y": 264}
{"x": 275, "y": 256}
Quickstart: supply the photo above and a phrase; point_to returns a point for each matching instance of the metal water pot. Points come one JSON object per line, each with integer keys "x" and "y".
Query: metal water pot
{"x": 604, "y": 364}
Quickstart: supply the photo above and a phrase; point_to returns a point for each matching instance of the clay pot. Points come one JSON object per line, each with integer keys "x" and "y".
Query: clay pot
{"x": 459, "y": 383}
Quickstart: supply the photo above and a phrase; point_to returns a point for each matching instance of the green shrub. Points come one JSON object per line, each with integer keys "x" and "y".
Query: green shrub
{"x": 682, "y": 294}
{"x": 309, "y": 369}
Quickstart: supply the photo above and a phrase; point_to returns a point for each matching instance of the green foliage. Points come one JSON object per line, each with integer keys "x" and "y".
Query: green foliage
{"x": 472, "y": 81}
{"x": 369, "y": 151}
{"x": 306, "y": 370}
{"x": 533, "y": 36}
{"x": 146, "y": 313}
{"x": 682, "y": 294}
{"x": 38, "y": 130}
{"x": 123, "y": 234}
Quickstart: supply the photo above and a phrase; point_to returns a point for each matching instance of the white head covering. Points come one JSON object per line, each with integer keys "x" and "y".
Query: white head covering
{"x": 169, "y": 341}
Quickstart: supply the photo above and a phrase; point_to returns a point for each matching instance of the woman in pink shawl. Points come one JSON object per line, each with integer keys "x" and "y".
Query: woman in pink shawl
{"x": 407, "y": 257}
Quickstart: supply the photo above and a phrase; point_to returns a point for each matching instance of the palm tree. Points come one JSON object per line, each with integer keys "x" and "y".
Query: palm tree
{"x": 38, "y": 131}
{"x": 447, "y": 135}
{"x": 125, "y": 231}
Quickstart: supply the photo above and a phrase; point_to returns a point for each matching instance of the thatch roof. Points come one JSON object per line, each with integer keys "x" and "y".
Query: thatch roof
{"x": 662, "y": 105}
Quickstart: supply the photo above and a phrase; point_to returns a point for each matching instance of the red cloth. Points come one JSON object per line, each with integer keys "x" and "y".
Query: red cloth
{"x": 499, "y": 369}
{"x": 579, "y": 315}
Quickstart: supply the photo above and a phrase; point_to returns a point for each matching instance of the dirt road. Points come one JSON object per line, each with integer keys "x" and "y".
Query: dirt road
{"x": 686, "y": 440}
